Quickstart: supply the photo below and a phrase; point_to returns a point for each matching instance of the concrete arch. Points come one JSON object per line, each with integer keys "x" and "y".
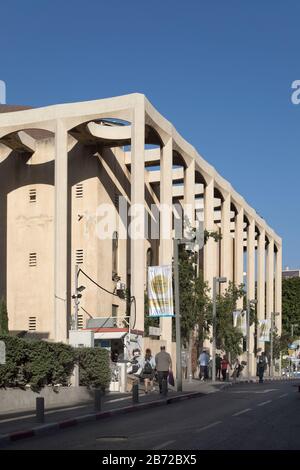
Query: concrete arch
{"x": 125, "y": 115}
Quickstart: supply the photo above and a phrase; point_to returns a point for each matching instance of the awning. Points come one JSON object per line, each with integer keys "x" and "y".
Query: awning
{"x": 110, "y": 335}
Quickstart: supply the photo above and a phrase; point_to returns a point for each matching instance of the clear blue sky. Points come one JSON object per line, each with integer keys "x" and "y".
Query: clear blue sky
{"x": 221, "y": 71}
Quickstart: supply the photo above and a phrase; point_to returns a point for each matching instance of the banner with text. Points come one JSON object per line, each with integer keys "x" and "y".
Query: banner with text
{"x": 160, "y": 291}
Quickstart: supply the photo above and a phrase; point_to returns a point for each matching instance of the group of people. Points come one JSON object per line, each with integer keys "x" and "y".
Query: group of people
{"x": 223, "y": 366}
{"x": 149, "y": 367}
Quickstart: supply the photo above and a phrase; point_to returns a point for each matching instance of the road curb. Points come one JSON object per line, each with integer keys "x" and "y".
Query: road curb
{"x": 65, "y": 424}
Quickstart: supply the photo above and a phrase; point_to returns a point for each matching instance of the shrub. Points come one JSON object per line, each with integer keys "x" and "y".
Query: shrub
{"x": 39, "y": 363}
{"x": 94, "y": 370}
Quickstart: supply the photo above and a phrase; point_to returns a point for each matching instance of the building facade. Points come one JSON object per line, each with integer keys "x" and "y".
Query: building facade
{"x": 70, "y": 172}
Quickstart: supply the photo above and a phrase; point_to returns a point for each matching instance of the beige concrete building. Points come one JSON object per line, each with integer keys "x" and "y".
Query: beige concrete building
{"x": 62, "y": 170}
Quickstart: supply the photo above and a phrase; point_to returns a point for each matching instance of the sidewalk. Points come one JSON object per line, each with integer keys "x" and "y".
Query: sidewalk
{"x": 23, "y": 424}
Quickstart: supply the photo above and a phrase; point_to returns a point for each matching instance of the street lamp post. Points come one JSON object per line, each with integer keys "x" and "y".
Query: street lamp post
{"x": 294, "y": 325}
{"x": 273, "y": 315}
{"x": 216, "y": 280}
{"x": 177, "y": 318}
{"x": 249, "y": 304}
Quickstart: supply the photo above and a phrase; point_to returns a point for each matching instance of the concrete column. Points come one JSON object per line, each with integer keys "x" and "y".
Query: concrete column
{"x": 189, "y": 194}
{"x": 251, "y": 286}
{"x": 270, "y": 279}
{"x": 137, "y": 224}
{"x": 226, "y": 263}
{"x": 278, "y": 288}
{"x": 209, "y": 253}
{"x": 60, "y": 234}
{"x": 239, "y": 251}
{"x": 261, "y": 278}
{"x": 166, "y": 242}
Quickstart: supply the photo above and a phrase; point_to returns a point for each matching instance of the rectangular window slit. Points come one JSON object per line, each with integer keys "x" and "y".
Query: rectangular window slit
{"x": 32, "y": 195}
{"x": 79, "y": 256}
{"x": 32, "y": 259}
{"x": 79, "y": 190}
{"x": 32, "y": 324}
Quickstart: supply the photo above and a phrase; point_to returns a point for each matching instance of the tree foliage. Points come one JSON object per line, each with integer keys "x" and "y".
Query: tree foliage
{"x": 290, "y": 305}
{"x": 194, "y": 296}
{"x": 228, "y": 338}
{"x": 3, "y": 318}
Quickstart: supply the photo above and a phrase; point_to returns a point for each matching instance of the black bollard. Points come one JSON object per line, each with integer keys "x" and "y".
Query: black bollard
{"x": 98, "y": 399}
{"x": 135, "y": 393}
{"x": 40, "y": 409}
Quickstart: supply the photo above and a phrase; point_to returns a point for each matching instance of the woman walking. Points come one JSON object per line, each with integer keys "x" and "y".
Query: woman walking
{"x": 225, "y": 365}
{"x": 148, "y": 370}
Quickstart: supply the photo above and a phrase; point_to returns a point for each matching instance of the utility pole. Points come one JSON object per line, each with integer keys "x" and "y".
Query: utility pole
{"x": 177, "y": 318}
{"x": 273, "y": 314}
{"x": 216, "y": 280}
{"x": 249, "y": 304}
{"x": 294, "y": 325}
{"x": 76, "y": 301}
{"x": 76, "y": 296}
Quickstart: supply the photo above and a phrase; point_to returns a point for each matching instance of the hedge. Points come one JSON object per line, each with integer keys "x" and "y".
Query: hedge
{"x": 39, "y": 363}
{"x": 94, "y": 370}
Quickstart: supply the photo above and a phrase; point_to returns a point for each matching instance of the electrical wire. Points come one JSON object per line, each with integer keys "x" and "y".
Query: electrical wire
{"x": 132, "y": 299}
{"x": 98, "y": 285}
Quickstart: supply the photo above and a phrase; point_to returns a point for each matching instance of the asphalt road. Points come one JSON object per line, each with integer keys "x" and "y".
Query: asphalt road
{"x": 249, "y": 416}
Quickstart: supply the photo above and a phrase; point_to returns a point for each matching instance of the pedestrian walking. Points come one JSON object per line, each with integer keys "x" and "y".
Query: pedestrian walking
{"x": 184, "y": 363}
{"x": 203, "y": 364}
{"x": 163, "y": 364}
{"x": 236, "y": 369}
{"x": 218, "y": 366}
{"x": 134, "y": 368}
{"x": 148, "y": 370}
{"x": 262, "y": 364}
{"x": 225, "y": 366}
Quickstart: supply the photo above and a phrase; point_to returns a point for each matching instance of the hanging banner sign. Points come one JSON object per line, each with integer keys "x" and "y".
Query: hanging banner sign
{"x": 263, "y": 330}
{"x": 160, "y": 291}
{"x": 240, "y": 321}
{"x": 236, "y": 318}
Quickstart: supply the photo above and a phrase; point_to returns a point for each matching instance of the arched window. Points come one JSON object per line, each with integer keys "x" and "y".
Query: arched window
{"x": 149, "y": 257}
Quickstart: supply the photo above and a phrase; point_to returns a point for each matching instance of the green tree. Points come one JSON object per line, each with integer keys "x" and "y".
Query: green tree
{"x": 228, "y": 338}
{"x": 290, "y": 305}
{"x": 194, "y": 297}
{"x": 3, "y": 318}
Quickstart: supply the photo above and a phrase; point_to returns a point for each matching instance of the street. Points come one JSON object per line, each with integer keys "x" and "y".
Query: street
{"x": 249, "y": 416}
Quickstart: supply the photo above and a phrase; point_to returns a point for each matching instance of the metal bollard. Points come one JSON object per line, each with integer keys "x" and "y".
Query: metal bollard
{"x": 40, "y": 409}
{"x": 135, "y": 393}
{"x": 164, "y": 387}
{"x": 98, "y": 399}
